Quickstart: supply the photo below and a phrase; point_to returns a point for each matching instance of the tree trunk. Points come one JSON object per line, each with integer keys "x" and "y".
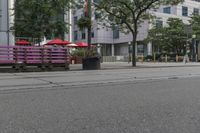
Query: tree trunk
{"x": 89, "y": 28}
{"x": 133, "y": 50}
{"x": 89, "y": 38}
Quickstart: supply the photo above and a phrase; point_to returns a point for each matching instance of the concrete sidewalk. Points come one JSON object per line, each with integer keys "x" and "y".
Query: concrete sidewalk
{"x": 109, "y": 66}
{"x": 125, "y": 65}
{"x": 67, "y": 79}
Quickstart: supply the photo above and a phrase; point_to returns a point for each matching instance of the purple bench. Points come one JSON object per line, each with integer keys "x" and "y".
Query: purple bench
{"x": 38, "y": 56}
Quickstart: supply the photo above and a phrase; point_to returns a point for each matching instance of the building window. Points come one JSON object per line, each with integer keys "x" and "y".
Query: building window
{"x": 92, "y": 35}
{"x": 75, "y": 20}
{"x": 184, "y": 11}
{"x": 159, "y": 23}
{"x": 75, "y": 35}
{"x": 83, "y": 36}
{"x": 116, "y": 32}
{"x": 196, "y": 11}
{"x": 140, "y": 49}
{"x": 96, "y": 1}
{"x": 167, "y": 10}
{"x": 97, "y": 15}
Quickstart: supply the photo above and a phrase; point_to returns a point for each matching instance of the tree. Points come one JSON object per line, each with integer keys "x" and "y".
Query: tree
{"x": 39, "y": 18}
{"x": 175, "y": 35}
{"x": 156, "y": 36}
{"x": 129, "y": 14}
{"x": 171, "y": 38}
{"x": 195, "y": 25}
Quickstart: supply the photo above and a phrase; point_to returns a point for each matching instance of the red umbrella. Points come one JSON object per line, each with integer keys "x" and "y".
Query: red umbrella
{"x": 58, "y": 42}
{"x": 22, "y": 42}
{"x": 55, "y": 41}
{"x": 66, "y": 42}
{"x": 82, "y": 44}
{"x": 72, "y": 45}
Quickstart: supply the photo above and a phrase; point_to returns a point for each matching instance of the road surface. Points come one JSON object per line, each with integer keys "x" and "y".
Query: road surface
{"x": 147, "y": 100}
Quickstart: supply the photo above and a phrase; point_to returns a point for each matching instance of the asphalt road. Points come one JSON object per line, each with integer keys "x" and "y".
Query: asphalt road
{"x": 151, "y": 101}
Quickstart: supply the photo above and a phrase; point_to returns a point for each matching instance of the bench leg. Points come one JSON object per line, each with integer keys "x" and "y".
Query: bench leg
{"x": 24, "y": 67}
{"x": 43, "y": 67}
{"x": 17, "y": 67}
{"x": 49, "y": 67}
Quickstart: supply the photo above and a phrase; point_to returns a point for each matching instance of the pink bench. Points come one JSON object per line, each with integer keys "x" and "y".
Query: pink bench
{"x": 38, "y": 56}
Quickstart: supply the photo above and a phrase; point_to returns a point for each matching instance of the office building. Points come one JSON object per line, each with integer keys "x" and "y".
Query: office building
{"x": 6, "y": 21}
{"x": 115, "y": 43}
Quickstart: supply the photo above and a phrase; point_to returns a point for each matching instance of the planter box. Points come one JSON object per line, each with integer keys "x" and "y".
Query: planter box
{"x": 91, "y": 63}
{"x": 76, "y": 60}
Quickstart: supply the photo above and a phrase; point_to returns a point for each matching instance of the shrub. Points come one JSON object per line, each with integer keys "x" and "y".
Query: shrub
{"x": 79, "y": 52}
{"x": 149, "y": 57}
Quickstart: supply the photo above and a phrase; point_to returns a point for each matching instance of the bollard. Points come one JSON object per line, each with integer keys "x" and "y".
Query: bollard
{"x": 166, "y": 58}
{"x": 176, "y": 58}
{"x": 142, "y": 58}
{"x": 154, "y": 58}
{"x": 196, "y": 57}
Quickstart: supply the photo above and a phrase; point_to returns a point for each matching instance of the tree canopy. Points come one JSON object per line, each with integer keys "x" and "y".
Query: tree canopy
{"x": 195, "y": 25}
{"x": 38, "y": 18}
{"x": 128, "y": 14}
{"x": 171, "y": 38}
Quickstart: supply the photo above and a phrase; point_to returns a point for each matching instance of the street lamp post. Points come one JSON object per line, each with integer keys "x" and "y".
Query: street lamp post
{"x": 194, "y": 48}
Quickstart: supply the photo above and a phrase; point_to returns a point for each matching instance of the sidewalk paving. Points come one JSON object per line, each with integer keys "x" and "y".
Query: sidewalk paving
{"x": 125, "y": 65}
{"x": 111, "y": 73}
{"x": 110, "y": 66}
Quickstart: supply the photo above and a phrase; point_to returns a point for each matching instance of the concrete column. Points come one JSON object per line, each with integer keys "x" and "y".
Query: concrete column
{"x": 11, "y": 21}
{"x": 68, "y": 19}
{"x": 99, "y": 49}
{"x": 70, "y": 29}
{"x": 149, "y": 49}
{"x": 113, "y": 50}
